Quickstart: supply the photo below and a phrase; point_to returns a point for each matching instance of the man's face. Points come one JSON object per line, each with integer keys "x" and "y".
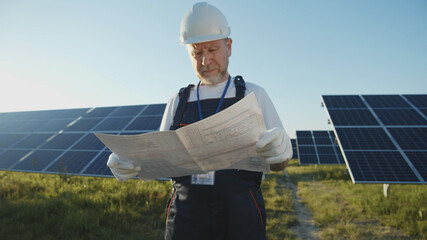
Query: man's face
{"x": 210, "y": 60}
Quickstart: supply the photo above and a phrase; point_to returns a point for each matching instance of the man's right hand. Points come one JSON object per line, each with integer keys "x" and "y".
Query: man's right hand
{"x": 121, "y": 169}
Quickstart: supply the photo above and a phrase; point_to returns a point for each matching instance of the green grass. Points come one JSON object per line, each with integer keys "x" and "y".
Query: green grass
{"x": 344, "y": 210}
{"x": 43, "y": 206}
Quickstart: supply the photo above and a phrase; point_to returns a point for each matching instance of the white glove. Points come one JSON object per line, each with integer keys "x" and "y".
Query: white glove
{"x": 122, "y": 170}
{"x": 272, "y": 146}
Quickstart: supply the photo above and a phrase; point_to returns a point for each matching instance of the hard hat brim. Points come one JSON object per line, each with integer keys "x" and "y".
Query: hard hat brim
{"x": 200, "y": 39}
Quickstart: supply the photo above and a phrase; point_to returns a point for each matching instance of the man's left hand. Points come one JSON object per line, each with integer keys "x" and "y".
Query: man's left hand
{"x": 272, "y": 146}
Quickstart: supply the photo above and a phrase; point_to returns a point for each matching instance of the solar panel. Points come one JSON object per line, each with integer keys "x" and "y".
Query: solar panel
{"x": 318, "y": 147}
{"x": 383, "y": 137}
{"x": 294, "y": 149}
{"x": 62, "y": 141}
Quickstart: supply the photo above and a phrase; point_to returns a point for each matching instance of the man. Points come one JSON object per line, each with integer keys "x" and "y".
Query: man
{"x": 225, "y": 204}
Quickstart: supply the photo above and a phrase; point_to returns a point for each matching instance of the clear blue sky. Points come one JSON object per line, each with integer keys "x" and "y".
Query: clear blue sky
{"x": 71, "y": 54}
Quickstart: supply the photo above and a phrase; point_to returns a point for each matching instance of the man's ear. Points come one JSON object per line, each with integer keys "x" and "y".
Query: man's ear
{"x": 229, "y": 43}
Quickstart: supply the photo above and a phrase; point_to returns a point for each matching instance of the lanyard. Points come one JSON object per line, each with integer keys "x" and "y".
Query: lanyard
{"x": 220, "y": 101}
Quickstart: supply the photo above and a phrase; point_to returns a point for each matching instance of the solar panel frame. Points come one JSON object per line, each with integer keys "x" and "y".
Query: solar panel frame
{"x": 394, "y": 128}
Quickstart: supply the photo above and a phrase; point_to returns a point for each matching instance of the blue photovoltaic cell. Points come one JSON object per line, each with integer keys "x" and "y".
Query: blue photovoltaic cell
{"x": 71, "y": 113}
{"x": 72, "y": 162}
{"x": 63, "y": 141}
{"x": 33, "y": 141}
{"x": 345, "y": 117}
{"x": 84, "y": 124}
{"x": 306, "y": 150}
{"x": 145, "y": 123}
{"x": 317, "y": 147}
{"x": 305, "y": 141}
{"x": 99, "y": 112}
{"x": 386, "y": 101}
{"x": 98, "y": 166}
{"x": 14, "y": 116}
{"x": 10, "y": 157}
{"x": 419, "y": 159}
{"x": 419, "y": 101}
{"x": 7, "y": 140}
{"x": 320, "y": 134}
{"x": 323, "y": 138}
{"x": 15, "y": 126}
{"x": 128, "y": 111}
{"x": 394, "y": 149}
{"x": 380, "y": 167}
{"x": 327, "y": 150}
{"x": 155, "y": 109}
{"x": 410, "y": 138}
{"x": 347, "y": 102}
{"x": 54, "y": 125}
{"x": 26, "y": 126}
{"x": 37, "y": 161}
{"x": 400, "y": 117}
{"x": 45, "y": 115}
{"x": 113, "y": 124}
{"x": 89, "y": 142}
{"x": 323, "y": 141}
{"x": 364, "y": 138}
{"x": 304, "y": 134}
{"x": 20, "y": 126}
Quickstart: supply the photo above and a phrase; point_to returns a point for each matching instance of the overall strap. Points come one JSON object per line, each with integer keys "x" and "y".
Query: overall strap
{"x": 184, "y": 94}
{"x": 240, "y": 87}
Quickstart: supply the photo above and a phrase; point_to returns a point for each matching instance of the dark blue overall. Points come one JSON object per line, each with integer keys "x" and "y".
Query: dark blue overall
{"x": 231, "y": 209}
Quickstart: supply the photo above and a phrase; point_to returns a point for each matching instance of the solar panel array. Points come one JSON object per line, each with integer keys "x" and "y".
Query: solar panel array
{"x": 318, "y": 147}
{"x": 62, "y": 141}
{"x": 383, "y": 137}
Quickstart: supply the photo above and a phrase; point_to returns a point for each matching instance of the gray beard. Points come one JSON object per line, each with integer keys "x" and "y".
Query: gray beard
{"x": 212, "y": 81}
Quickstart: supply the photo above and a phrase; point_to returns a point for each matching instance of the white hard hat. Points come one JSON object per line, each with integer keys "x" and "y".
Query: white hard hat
{"x": 203, "y": 23}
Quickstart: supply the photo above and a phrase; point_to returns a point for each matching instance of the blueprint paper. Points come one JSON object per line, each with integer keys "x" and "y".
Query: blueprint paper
{"x": 225, "y": 140}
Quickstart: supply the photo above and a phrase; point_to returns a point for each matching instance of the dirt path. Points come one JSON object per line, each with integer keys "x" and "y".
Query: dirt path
{"x": 306, "y": 228}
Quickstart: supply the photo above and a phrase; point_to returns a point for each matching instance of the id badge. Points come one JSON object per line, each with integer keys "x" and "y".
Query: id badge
{"x": 203, "y": 179}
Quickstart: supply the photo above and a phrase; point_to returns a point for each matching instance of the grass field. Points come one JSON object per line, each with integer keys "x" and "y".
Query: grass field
{"x": 344, "y": 210}
{"x": 42, "y": 206}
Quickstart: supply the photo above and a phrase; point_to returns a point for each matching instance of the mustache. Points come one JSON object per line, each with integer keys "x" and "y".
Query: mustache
{"x": 206, "y": 68}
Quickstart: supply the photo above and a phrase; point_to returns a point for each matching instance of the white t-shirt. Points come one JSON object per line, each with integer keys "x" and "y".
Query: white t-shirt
{"x": 271, "y": 117}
